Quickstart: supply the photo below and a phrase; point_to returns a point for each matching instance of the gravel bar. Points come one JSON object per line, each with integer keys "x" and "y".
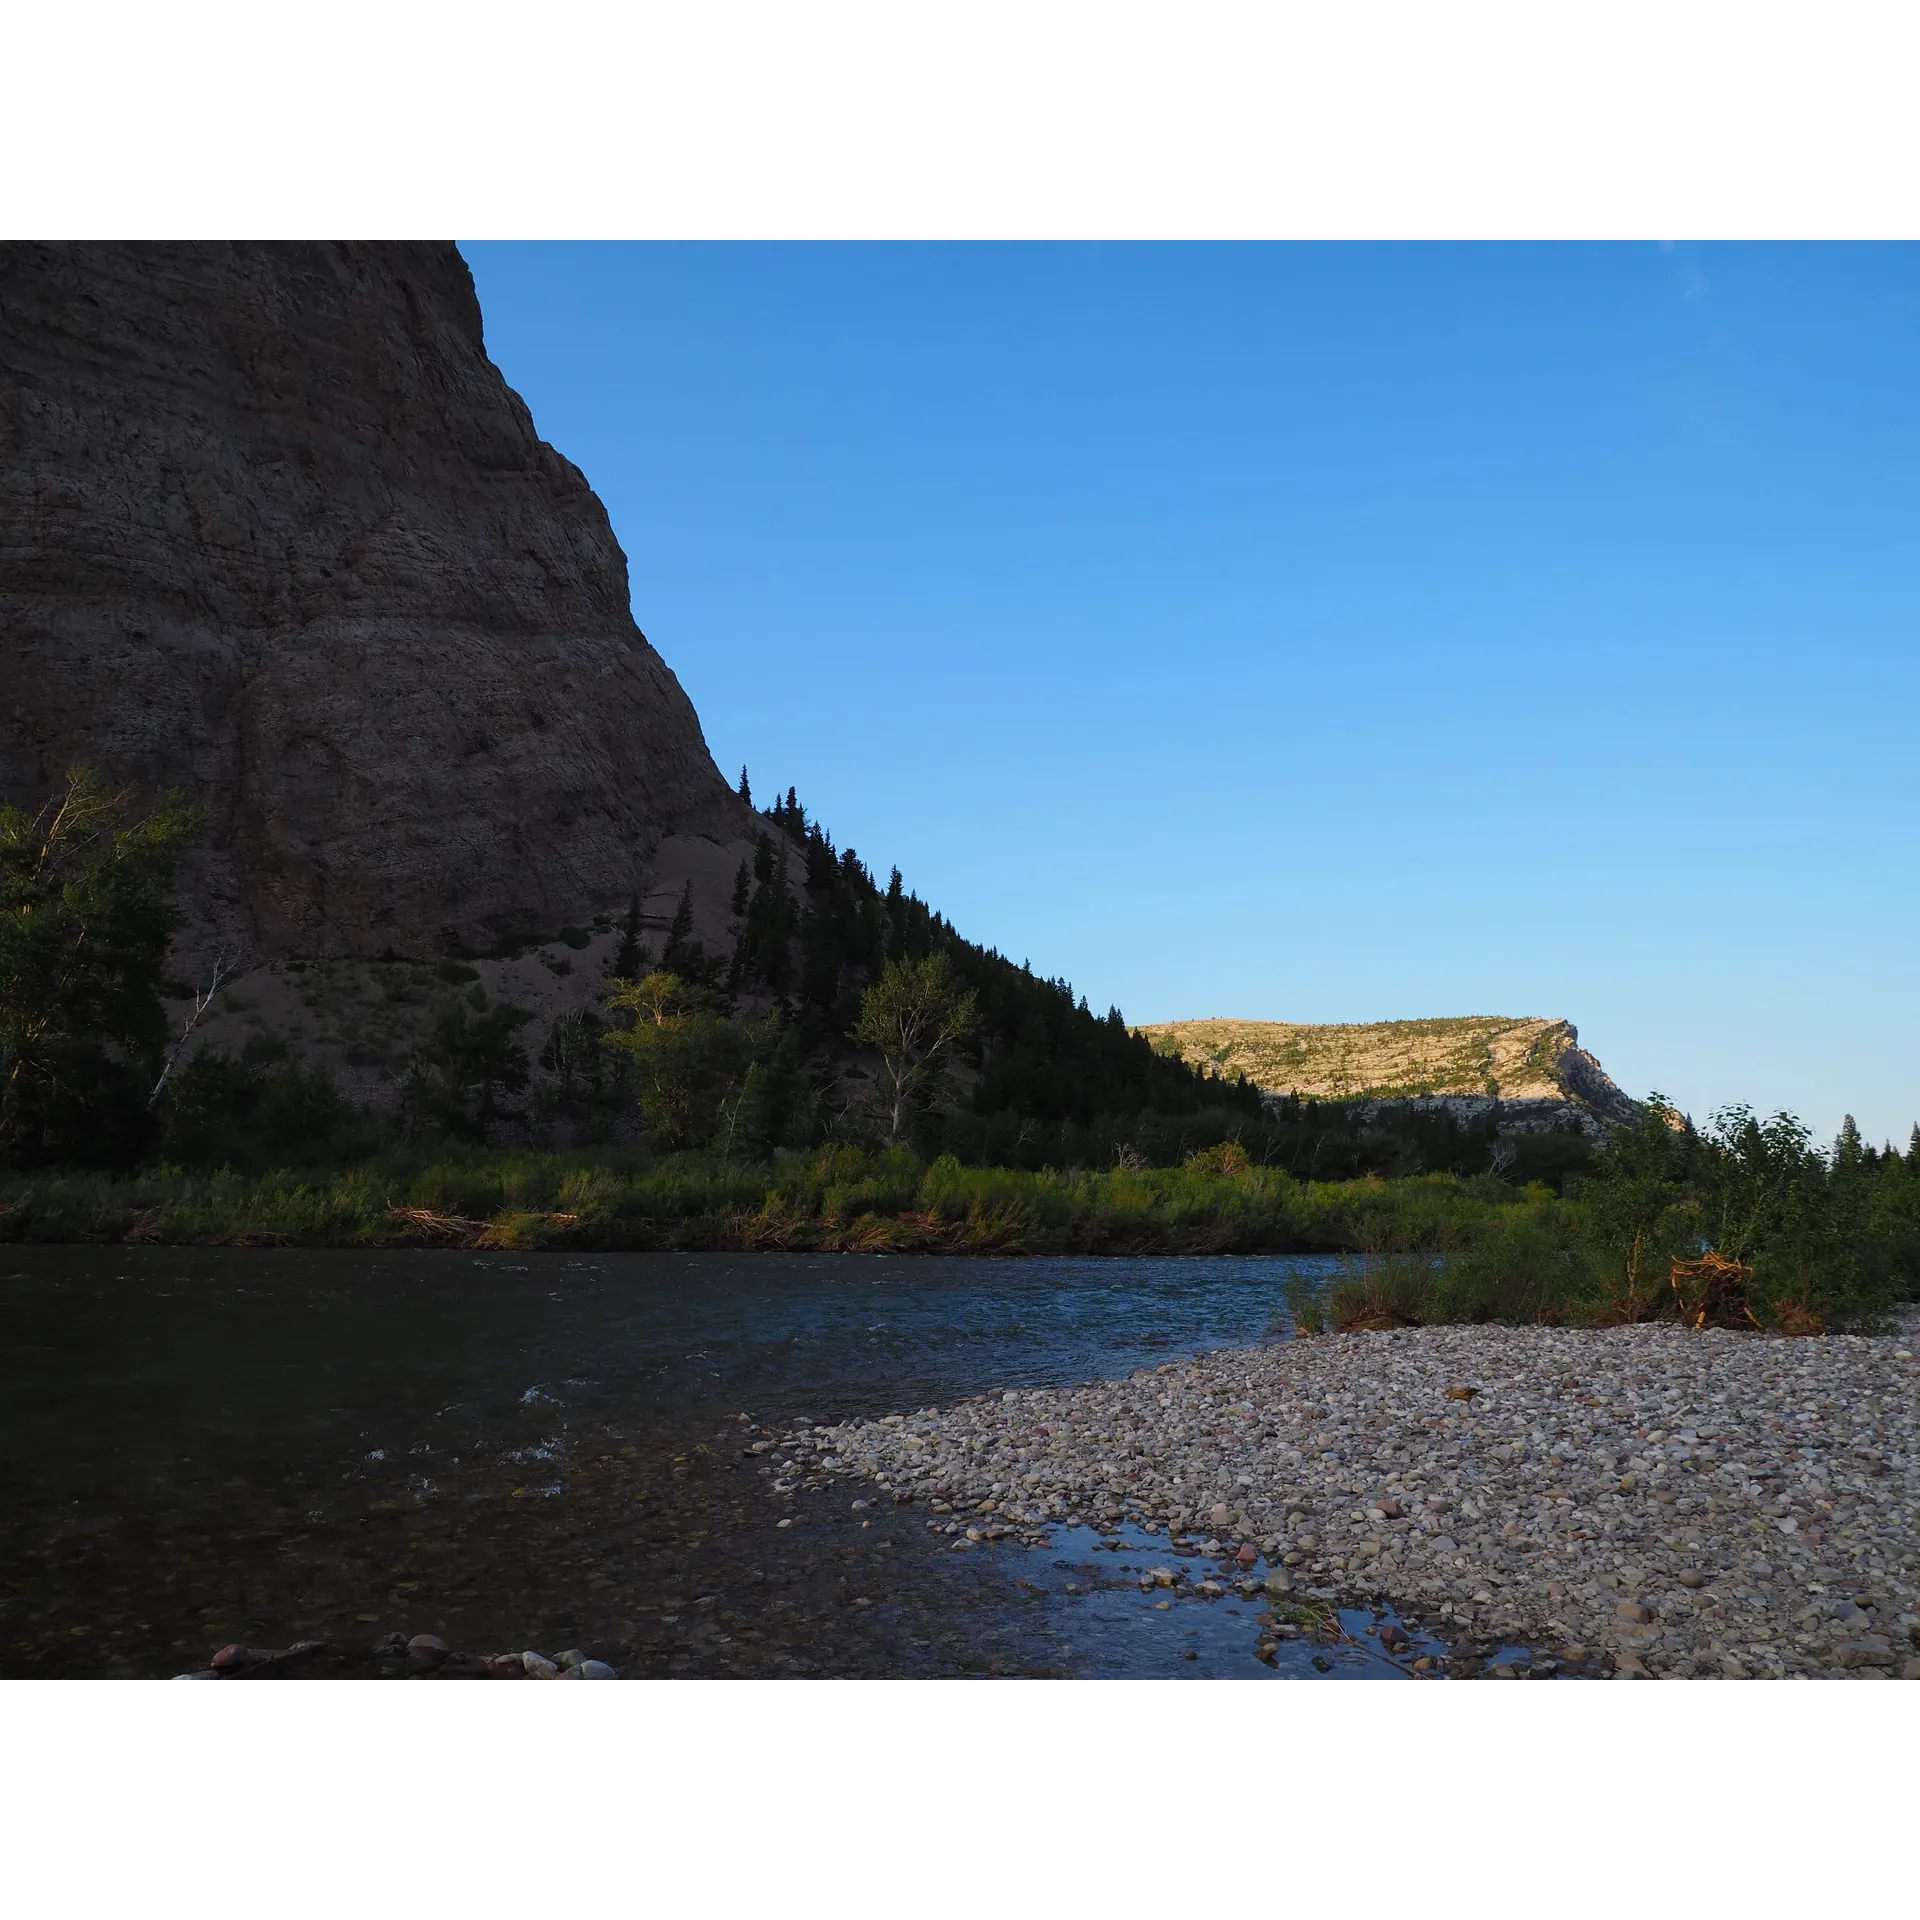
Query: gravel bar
{"x": 1645, "y": 1500}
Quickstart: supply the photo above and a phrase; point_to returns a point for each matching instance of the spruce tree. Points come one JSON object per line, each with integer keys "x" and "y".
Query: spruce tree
{"x": 896, "y": 917}
{"x": 630, "y": 956}
{"x": 740, "y": 884}
{"x": 746, "y": 787}
{"x": 680, "y": 933}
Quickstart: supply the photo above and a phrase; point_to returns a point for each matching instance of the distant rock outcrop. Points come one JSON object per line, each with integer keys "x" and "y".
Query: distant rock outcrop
{"x": 1531, "y": 1075}
{"x": 274, "y": 530}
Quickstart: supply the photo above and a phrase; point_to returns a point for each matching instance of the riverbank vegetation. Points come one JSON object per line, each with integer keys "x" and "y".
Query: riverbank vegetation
{"x": 838, "y": 1199}
{"x": 856, "y": 1077}
{"x": 1804, "y": 1241}
{"x": 1742, "y": 1224}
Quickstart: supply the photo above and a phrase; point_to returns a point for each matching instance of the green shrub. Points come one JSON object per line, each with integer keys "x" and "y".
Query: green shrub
{"x": 1526, "y": 1269}
{"x": 1394, "y": 1291}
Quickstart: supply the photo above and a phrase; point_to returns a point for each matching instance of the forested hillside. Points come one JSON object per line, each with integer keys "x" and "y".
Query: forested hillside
{"x": 819, "y": 1008}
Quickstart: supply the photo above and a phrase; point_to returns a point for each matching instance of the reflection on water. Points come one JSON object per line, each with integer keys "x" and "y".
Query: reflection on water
{"x": 511, "y": 1449}
{"x": 1109, "y": 1629}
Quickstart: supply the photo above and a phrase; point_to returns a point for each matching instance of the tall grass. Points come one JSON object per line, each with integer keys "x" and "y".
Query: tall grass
{"x": 1433, "y": 1249}
{"x": 839, "y": 1199}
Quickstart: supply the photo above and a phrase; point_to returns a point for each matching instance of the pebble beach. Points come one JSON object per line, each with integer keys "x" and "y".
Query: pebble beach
{"x": 1640, "y": 1501}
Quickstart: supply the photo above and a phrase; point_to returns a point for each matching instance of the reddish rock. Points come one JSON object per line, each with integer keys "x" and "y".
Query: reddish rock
{"x": 271, "y": 1663}
{"x": 236, "y": 1662}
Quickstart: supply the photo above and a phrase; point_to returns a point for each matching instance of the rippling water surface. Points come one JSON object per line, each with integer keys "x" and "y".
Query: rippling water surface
{"x": 541, "y": 1450}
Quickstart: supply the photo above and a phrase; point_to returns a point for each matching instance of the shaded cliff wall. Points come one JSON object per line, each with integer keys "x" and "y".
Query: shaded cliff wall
{"x": 273, "y": 529}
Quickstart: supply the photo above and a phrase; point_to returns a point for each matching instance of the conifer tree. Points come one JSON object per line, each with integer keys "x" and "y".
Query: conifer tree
{"x": 896, "y": 917}
{"x": 741, "y": 881}
{"x": 680, "y": 933}
{"x": 746, "y": 787}
{"x": 630, "y": 957}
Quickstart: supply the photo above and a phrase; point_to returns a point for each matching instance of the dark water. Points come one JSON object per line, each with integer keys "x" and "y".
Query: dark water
{"x": 538, "y": 1450}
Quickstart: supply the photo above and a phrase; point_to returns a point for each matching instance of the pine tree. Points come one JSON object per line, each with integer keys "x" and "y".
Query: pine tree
{"x": 896, "y": 948}
{"x": 741, "y": 880}
{"x": 630, "y": 956}
{"x": 680, "y": 933}
{"x": 746, "y": 787}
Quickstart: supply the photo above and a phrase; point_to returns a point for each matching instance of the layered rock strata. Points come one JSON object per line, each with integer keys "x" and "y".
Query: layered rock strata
{"x": 275, "y": 531}
{"x": 1530, "y": 1075}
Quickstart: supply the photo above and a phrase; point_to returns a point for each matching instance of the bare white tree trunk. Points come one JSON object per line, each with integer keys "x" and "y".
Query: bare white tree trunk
{"x": 224, "y": 972}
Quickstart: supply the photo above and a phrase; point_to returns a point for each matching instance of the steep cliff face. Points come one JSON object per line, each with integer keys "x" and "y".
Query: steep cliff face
{"x": 1530, "y": 1074}
{"x": 273, "y": 529}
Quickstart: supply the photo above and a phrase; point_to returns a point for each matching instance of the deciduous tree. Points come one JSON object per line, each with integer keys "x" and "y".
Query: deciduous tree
{"x": 692, "y": 1063}
{"x": 86, "y": 912}
{"x": 470, "y": 1063}
{"x": 915, "y": 1014}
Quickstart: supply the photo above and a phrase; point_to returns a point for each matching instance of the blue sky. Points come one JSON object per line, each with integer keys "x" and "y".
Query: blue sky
{"x": 1309, "y": 633}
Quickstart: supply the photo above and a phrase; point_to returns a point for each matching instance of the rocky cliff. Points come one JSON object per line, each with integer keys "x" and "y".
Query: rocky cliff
{"x": 274, "y": 530}
{"x": 1530, "y": 1074}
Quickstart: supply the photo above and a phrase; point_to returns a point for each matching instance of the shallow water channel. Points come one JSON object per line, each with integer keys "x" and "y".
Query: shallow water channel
{"x": 514, "y": 1450}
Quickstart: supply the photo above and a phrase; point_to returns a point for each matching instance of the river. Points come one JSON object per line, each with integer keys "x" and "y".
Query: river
{"x": 528, "y": 1450}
